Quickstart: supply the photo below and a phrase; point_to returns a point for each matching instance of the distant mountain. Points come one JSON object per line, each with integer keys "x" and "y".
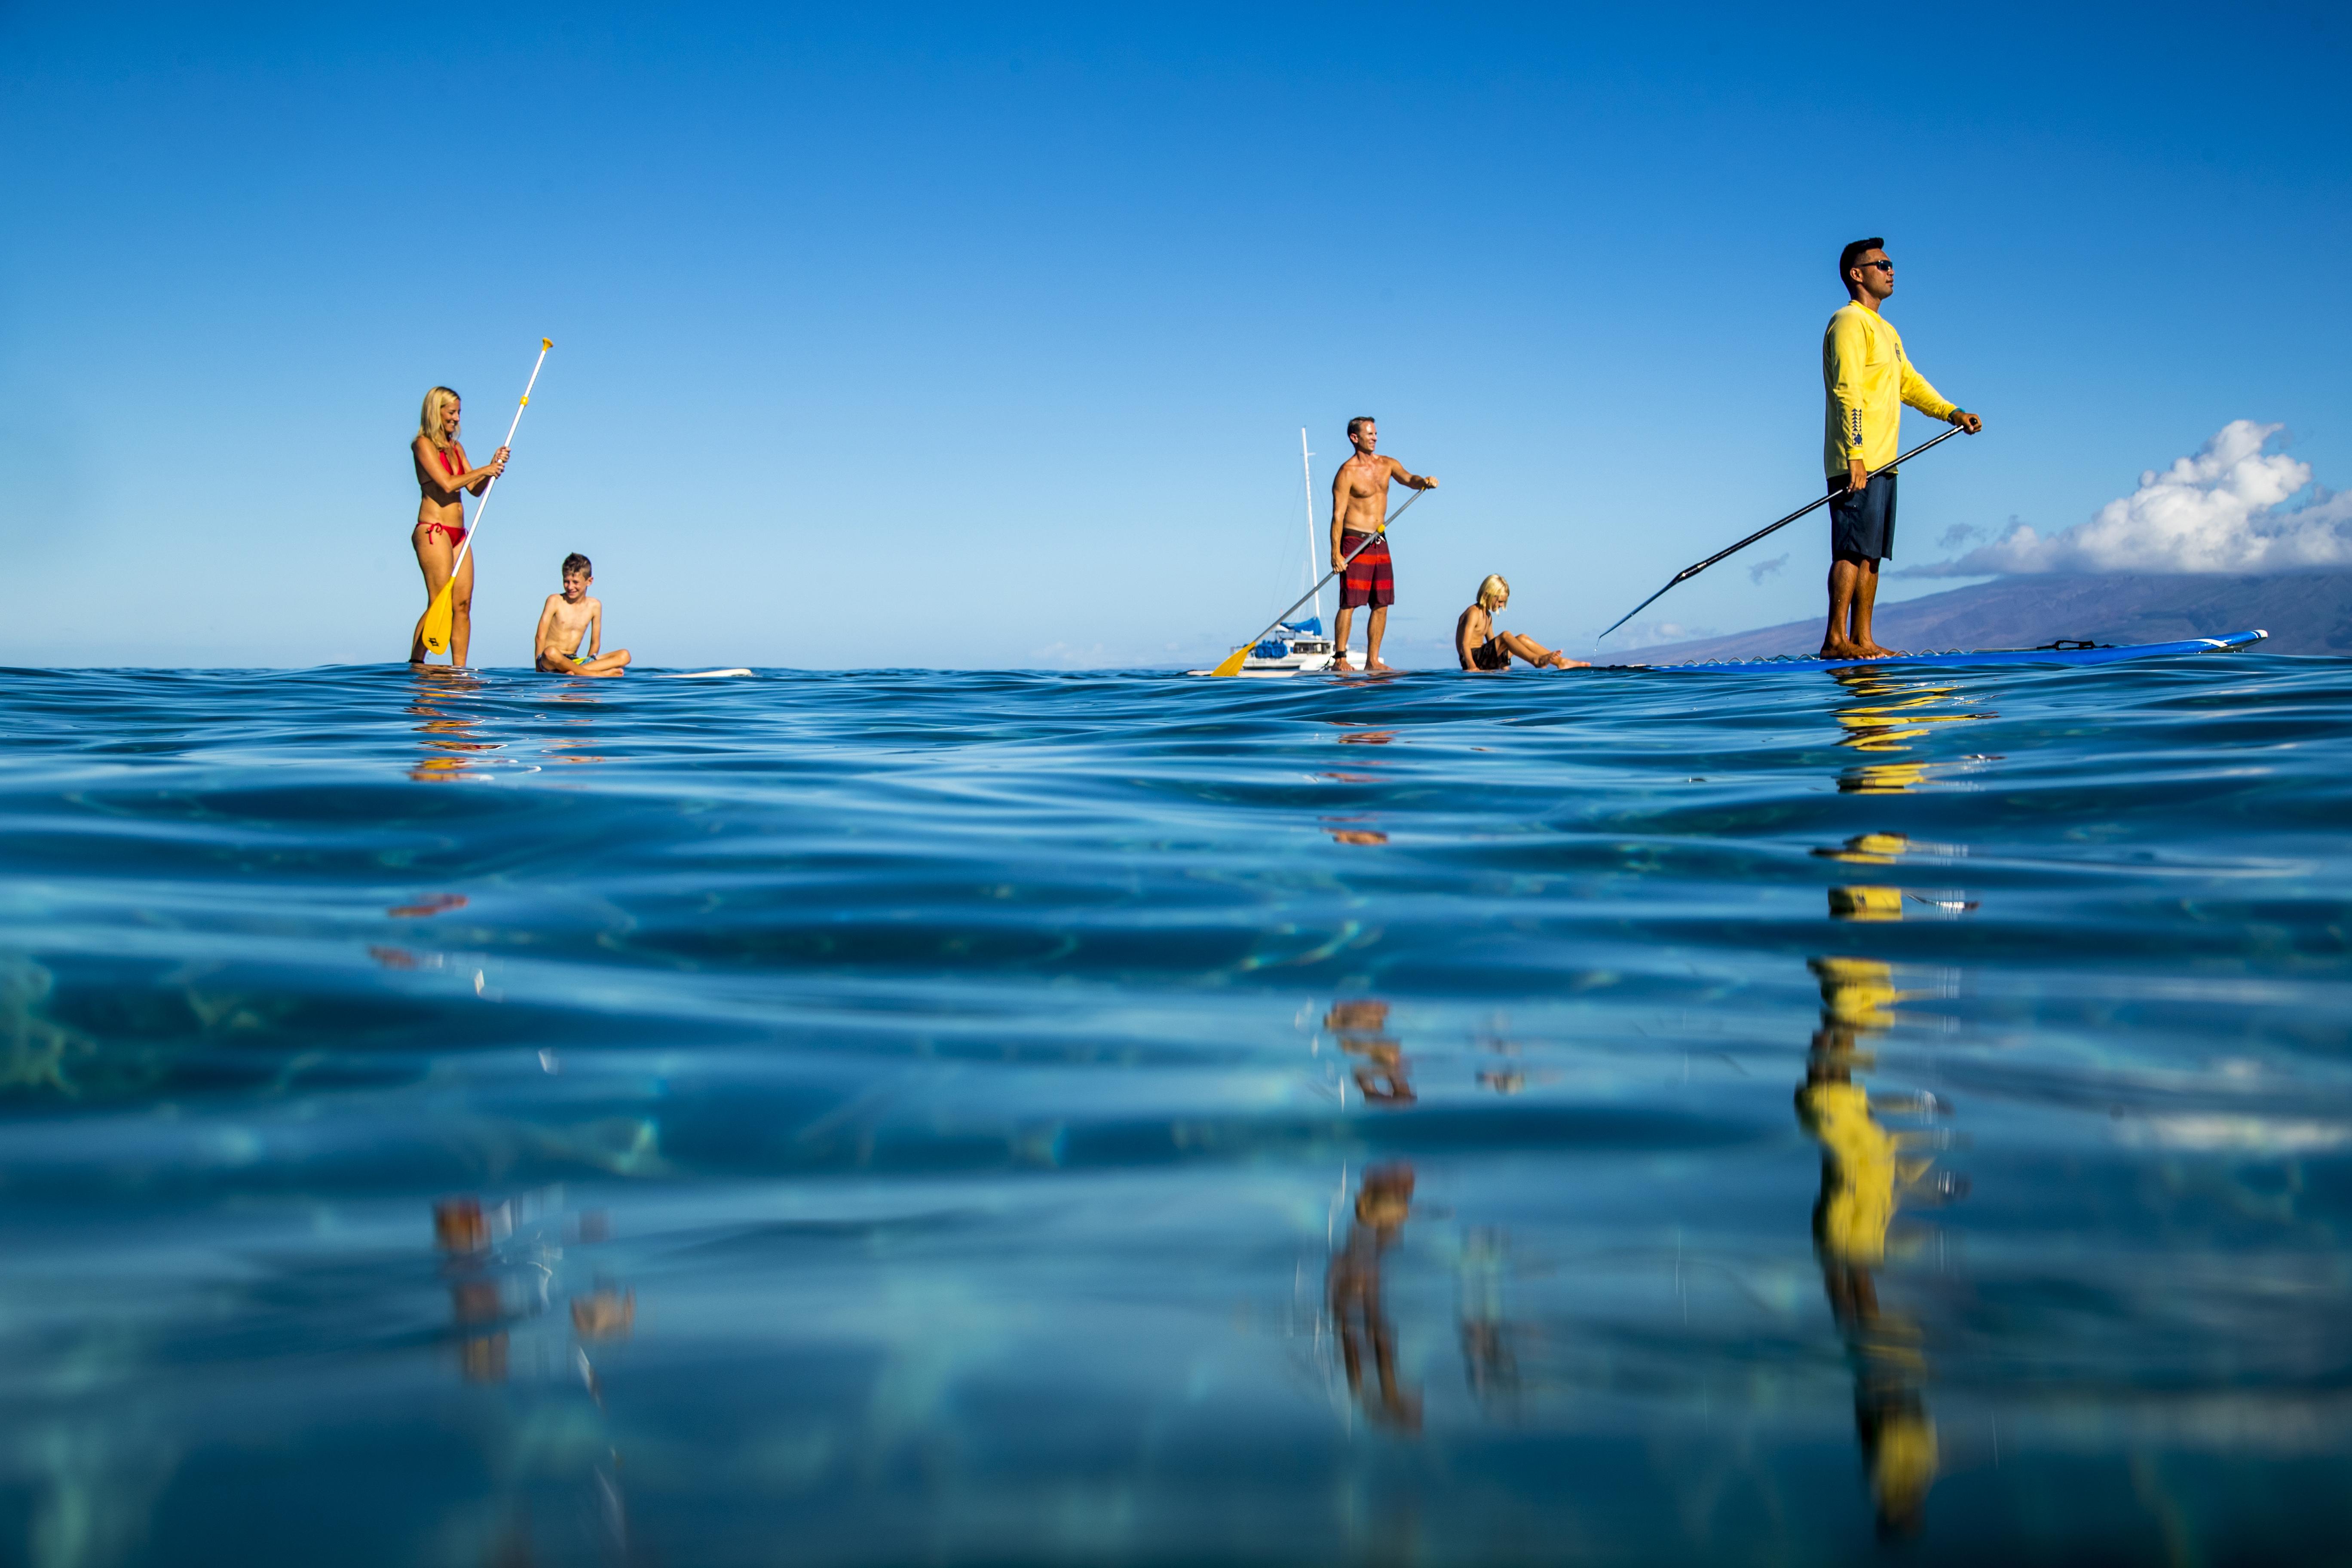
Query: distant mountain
{"x": 2304, "y": 612}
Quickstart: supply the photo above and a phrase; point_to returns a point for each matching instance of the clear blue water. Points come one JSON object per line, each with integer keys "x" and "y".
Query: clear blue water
{"x": 1011, "y": 1118}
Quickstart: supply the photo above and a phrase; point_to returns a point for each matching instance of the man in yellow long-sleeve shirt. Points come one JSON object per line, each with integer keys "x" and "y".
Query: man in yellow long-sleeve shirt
{"x": 1869, "y": 379}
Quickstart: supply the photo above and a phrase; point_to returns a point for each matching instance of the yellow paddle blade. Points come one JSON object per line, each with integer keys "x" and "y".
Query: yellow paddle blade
{"x": 1234, "y": 660}
{"x": 439, "y": 617}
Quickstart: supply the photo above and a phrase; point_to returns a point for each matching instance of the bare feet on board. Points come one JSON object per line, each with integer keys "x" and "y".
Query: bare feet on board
{"x": 1840, "y": 648}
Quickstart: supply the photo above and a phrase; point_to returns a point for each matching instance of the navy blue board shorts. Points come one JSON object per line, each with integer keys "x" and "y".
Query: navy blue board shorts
{"x": 1861, "y": 527}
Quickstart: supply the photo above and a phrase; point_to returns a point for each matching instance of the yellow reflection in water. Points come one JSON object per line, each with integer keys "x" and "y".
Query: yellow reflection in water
{"x": 1889, "y": 715}
{"x": 1867, "y": 1171}
{"x": 451, "y": 741}
{"x": 1876, "y": 901}
{"x": 1881, "y": 778}
{"x": 1866, "y": 903}
{"x": 1869, "y": 849}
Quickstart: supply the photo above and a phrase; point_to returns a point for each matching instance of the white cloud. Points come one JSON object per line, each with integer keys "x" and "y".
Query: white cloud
{"x": 1648, "y": 634}
{"x": 2217, "y": 511}
{"x": 2238, "y": 1134}
{"x": 1069, "y": 655}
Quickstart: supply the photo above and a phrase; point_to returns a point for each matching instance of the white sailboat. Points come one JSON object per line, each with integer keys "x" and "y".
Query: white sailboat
{"x": 1299, "y": 647}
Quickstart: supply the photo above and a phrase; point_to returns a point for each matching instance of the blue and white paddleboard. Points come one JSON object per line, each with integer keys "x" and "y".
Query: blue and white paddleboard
{"x": 2051, "y": 653}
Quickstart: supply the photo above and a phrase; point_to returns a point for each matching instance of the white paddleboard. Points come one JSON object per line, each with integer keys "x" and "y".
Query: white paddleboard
{"x": 698, "y": 674}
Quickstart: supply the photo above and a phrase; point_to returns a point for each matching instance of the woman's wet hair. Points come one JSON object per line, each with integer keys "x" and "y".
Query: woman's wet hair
{"x": 431, "y": 419}
{"x": 1493, "y": 591}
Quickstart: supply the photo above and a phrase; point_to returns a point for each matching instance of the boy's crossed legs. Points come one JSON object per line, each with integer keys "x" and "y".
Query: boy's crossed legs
{"x": 610, "y": 663}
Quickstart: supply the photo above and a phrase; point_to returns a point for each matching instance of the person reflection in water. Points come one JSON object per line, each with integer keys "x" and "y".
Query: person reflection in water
{"x": 1893, "y": 715}
{"x": 1489, "y": 1358}
{"x": 1358, "y": 1314}
{"x": 451, "y": 740}
{"x": 1381, "y": 1066}
{"x": 461, "y": 1229}
{"x": 1865, "y": 1176}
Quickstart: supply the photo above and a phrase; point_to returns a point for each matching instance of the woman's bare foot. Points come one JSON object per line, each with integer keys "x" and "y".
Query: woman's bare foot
{"x": 1339, "y": 664}
{"x": 1840, "y": 648}
{"x": 1374, "y": 666}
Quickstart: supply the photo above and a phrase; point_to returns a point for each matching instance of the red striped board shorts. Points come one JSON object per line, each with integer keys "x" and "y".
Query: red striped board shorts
{"x": 1368, "y": 580}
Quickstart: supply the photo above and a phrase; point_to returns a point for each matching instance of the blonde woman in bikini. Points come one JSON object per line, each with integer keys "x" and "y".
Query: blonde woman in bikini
{"x": 1479, "y": 646}
{"x": 444, "y": 478}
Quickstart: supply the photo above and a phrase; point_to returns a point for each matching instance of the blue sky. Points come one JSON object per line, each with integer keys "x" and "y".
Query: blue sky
{"x": 983, "y": 337}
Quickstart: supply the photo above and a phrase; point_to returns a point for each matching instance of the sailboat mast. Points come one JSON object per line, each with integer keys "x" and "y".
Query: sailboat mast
{"x": 1307, "y": 467}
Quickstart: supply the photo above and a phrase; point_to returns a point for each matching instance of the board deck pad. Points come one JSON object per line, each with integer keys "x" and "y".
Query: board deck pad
{"x": 2064, "y": 652}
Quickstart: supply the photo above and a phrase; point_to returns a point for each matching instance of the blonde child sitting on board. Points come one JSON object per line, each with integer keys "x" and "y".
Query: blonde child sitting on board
{"x": 570, "y": 618}
{"x": 1480, "y": 646}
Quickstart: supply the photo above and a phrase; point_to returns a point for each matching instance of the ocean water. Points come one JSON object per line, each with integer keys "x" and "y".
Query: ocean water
{"x": 968, "y": 1118}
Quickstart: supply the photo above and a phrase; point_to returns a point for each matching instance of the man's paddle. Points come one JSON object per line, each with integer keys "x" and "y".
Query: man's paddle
{"x": 443, "y": 611}
{"x": 1689, "y": 572}
{"x": 1240, "y": 655}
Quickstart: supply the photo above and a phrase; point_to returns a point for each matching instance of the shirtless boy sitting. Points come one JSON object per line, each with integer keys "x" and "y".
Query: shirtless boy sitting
{"x": 571, "y": 619}
{"x": 1480, "y": 646}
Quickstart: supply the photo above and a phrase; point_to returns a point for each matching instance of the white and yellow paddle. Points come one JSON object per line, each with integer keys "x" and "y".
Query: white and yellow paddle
{"x": 1240, "y": 655}
{"x": 442, "y": 610}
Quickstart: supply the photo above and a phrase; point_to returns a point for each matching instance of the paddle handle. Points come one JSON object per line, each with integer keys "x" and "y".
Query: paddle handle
{"x": 1689, "y": 572}
{"x": 484, "y": 504}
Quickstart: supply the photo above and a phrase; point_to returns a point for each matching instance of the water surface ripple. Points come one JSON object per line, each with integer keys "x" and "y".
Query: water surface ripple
{"x": 993, "y": 1118}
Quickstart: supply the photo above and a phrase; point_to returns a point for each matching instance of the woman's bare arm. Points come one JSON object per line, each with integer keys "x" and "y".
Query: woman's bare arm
{"x": 475, "y": 481}
{"x": 497, "y": 466}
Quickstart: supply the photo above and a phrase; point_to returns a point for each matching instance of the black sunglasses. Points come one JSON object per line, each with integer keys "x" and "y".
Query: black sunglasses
{"x": 1882, "y": 266}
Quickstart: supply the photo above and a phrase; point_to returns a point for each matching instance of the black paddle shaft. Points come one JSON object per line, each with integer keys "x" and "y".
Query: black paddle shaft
{"x": 1377, "y": 535}
{"x": 1687, "y": 572}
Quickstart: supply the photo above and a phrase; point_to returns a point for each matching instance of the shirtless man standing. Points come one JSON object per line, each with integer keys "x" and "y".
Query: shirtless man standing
{"x": 571, "y": 619}
{"x": 1359, "y": 507}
